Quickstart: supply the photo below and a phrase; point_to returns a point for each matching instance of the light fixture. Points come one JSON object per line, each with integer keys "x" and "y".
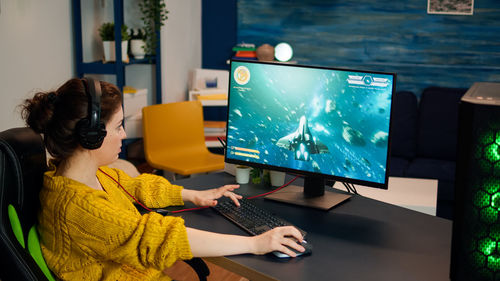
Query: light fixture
{"x": 283, "y": 52}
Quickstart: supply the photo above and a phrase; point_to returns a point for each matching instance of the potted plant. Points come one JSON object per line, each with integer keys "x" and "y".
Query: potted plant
{"x": 154, "y": 14}
{"x": 137, "y": 43}
{"x": 107, "y": 33}
{"x": 259, "y": 175}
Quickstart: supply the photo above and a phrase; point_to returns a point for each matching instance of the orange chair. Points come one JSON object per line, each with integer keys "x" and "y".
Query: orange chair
{"x": 174, "y": 139}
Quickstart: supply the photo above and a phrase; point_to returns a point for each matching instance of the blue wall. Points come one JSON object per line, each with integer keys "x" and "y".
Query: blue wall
{"x": 392, "y": 36}
{"x": 218, "y": 19}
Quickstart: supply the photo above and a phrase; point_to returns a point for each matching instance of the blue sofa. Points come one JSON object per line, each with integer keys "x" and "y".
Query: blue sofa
{"x": 424, "y": 140}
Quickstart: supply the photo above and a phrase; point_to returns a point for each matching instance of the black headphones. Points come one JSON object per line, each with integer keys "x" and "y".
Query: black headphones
{"x": 90, "y": 131}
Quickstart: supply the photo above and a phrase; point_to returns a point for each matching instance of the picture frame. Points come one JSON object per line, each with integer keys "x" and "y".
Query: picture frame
{"x": 450, "y": 7}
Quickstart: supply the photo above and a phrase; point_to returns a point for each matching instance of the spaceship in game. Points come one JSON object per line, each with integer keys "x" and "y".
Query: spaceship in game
{"x": 302, "y": 142}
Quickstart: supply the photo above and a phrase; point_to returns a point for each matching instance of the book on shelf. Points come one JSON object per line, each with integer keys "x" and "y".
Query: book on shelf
{"x": 246, "y": 54}
{"x": 213, "y": 141}
{"x": 244, "y": 47}
{"x": 209, "y": 96}
{"x": 245, "y": 51}
{"x": 215, "y": 133}
{"x": 215, "y": 138}
{"x": 214, "y": 128}
{"x": 221, "y": 96}
{"x": 214, "y": 124}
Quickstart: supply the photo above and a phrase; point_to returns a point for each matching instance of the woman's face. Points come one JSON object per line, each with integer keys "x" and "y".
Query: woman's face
{"x": 111, "y": 146}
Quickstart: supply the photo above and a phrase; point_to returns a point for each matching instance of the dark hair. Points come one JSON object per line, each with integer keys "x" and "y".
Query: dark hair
{"x": 55, "y": 113}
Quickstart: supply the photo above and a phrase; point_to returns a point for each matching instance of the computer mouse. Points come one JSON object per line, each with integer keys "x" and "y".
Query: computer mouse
{"x": 304, "y": 244}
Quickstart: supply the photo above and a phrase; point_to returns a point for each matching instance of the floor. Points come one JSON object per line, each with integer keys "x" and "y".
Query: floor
{"x": 181, "y": 271}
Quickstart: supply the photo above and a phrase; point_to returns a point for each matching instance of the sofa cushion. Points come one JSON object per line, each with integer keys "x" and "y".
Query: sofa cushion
{"x": 438, "y": 123}
{"x": 404, "y": 125}
{"x": 444, "y": 172}
{"x": 446, "y": 191}
{"x": 431, "y": 169}
{"x": 398, "y": 166}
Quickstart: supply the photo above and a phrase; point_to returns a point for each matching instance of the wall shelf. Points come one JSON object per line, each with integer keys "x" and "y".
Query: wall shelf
{"x": 116, "y": 68}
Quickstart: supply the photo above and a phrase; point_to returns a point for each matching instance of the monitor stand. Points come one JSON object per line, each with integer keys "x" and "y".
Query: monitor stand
{"x": 312, "y": 195}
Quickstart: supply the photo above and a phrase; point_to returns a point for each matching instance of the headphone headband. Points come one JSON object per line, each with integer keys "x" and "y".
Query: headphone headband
{"x": 93, "y": 90}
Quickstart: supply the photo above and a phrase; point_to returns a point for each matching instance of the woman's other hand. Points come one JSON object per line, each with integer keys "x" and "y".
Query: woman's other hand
{"x": 209, "y": 197}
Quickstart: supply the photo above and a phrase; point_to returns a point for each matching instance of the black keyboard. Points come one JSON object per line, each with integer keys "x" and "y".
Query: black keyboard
{"x": 251, "y": 218}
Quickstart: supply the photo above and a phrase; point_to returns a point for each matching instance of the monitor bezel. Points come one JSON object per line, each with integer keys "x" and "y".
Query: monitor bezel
{"x": 383, "y": 185}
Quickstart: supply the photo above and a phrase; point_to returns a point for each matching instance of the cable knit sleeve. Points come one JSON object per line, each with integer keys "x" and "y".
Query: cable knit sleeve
{"x": 152, "y": 190}
{"x": 102, "y": 229}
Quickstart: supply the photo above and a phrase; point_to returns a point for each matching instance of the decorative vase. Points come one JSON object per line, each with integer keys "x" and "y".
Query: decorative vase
{"x": 137, "y": 48}
{"x": 109, "y": 51}
{"x": 265, "y": 52}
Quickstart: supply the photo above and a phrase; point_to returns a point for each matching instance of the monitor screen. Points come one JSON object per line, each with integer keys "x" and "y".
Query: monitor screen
{"x": 314, "y": 121}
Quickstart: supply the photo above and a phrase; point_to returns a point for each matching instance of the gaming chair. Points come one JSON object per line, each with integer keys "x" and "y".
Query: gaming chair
{"x": 22, "y": 164}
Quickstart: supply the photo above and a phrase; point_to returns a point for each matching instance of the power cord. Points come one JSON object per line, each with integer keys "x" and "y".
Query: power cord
{"x": 350, "y": 188}
{"x": 165, "y": 211}
{"x": 251, "y": 197}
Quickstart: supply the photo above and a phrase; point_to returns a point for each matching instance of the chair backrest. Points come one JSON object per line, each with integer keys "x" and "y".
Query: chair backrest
{"x": 22, "y": 164}
{"x": 173, "y": 129}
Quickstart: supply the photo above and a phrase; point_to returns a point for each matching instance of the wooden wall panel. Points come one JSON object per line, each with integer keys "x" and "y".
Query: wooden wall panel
{"x": 393, "y": 36}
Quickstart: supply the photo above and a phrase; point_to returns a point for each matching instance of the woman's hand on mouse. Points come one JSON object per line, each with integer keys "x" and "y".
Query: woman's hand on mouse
{"x": 279, "y": 239}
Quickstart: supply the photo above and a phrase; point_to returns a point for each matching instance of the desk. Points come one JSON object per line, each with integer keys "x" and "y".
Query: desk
{"x": 416, "y": 194}
{"x": 360, "y": 239}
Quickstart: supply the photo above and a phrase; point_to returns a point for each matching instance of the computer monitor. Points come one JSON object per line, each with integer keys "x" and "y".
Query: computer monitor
{"x": 322, "y": 123}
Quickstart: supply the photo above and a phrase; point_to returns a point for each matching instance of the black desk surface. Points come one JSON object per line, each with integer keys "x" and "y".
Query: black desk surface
{"x": 361, "y": 239}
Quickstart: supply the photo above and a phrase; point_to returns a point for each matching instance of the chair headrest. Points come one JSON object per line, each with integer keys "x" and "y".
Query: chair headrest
{"x": 22, "y": 164}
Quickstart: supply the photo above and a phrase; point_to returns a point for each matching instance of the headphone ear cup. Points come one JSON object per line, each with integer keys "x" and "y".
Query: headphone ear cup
{"x": 90, "y": 138}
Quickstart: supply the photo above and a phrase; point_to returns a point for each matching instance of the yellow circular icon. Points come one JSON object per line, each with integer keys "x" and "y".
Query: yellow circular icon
{"x": 242, "y": 75}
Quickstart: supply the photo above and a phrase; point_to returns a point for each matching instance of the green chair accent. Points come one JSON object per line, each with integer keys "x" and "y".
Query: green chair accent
{"x": 34, "y": 247}
{"x": 36, "y": 252}
{"x": 16, "y": 224}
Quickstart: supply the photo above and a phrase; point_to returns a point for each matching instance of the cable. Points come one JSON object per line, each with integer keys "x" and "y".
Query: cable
{"x": 351, "y": 188}
{"x": 252, "y": 197}
{"x": 347, "y": 187}
{"x": 189, "y": 209}
{"x": 273, "y": 191}
{"x": 222, "y": 142}
{"x": 354, "y": 188}
{"x": 137, "y": 201}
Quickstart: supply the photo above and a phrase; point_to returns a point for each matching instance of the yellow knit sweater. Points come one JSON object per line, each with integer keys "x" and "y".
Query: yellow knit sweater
{"x": 88, "y": 234}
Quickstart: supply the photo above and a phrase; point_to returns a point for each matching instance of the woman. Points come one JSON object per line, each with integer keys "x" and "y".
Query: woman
{"x": 89, "y": 226}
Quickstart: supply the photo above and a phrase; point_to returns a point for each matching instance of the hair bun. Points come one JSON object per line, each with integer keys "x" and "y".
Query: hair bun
{"x": 38, "y": 111}
{"x": 52, "y": 98}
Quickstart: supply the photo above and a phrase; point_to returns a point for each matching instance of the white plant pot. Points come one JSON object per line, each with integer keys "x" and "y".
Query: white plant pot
{"x": 109, "y": 51}
{"x": 137, "y": 48}
{"x": 277, "y": 178}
